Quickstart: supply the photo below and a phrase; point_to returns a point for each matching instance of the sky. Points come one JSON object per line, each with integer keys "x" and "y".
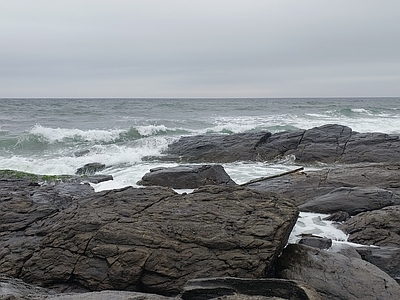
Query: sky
{"x": 184, "y": 48}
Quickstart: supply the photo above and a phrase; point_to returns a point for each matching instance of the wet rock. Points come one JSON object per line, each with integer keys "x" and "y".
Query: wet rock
{"x": 316, "y": 242}
{"x": 149, "y": 239}
{"x": 327, "y": 144}
{"x": 379, "y": 227}
{"x": 97, "y": 178}
{"x": 211, "y": 288}
{"x": 15, "y": 289}
{"x": 339, "y": 216}
{"x": 305, "y": 186}
{"x": 335, "y": 276}
{"x": 90, "y": 169}
{"x": 216, "y": 148}
{"x": 81, "y": 152}
{"x": 187, "y": 177}
{"x": 385, "y": 258}
{"x": 352, "y": 200}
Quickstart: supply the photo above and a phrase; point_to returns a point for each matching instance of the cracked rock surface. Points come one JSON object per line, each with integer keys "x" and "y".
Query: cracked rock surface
{"x": 335, "y": 276}
{"x": 326, "y": 144}
{"x": 149, "y": 239}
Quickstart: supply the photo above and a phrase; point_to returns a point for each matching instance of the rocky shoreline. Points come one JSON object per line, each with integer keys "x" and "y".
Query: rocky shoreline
{"x": 222, "y": 241}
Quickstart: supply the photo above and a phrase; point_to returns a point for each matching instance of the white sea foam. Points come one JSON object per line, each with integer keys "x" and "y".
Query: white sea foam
{"x": 59, "y": 134}
{"x": 312, "y": 223}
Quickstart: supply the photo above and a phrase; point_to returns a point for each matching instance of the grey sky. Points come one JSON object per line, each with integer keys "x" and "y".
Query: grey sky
{"x": 184, "y": 48}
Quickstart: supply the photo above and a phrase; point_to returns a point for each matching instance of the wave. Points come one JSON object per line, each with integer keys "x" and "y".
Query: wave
{"x": 106, "y": 136}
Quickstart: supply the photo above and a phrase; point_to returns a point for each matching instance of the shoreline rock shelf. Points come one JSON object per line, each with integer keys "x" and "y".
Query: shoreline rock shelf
{"x": 66, "y": 237}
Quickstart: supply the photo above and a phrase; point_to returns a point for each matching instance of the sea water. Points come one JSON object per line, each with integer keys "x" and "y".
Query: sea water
{"x": 48, "y": 136}
{"x": 58, "y": 136}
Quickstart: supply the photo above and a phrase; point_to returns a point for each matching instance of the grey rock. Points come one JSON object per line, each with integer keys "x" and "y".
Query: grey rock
{"x": 352, "y": 200}
{"x": 339, "y": 216}
{"x": 97, "y": 178}
{"x": 307, "y": 185}
{"x": 149, "y": 239}
{"x": 316, "y": 242}
{"x": 211, "y": 288}
{"x": 15, "y": 289}
{"x": 90, "y": 169}
{"x": 379, "y": 227}
{"x": 187, "y": 177}
{"x": 216, "y": 148}
{"x": 335, "y": 276}
{"x": 385, "y": 258}
{"x": 12, "y": 288}
{"x": 327, "y": 144}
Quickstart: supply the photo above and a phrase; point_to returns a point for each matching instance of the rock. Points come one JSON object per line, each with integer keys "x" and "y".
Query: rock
{"x": 81, "y": 152}
{"x": 335, "y": 276}
{"x": 215, "y": 148}
{"x": 111, "y": 295}
{"x": 90, "y": 169}
{"x": 352, "y": 200}
{"x": 12, "y": 288}
{"x": 304, "y": 186}
{"x": 149, "y": 239}
{"x": 339, "y": 216}
{"x": 316, "y": 242}
{"x": 385, "y": 258}
{"x": 379, "y": 227}
{"x": 187, "y": 177}
{"x": 98, "y": 178}
{"x": 211, "y": 288}
{"x": 327, "y": 144}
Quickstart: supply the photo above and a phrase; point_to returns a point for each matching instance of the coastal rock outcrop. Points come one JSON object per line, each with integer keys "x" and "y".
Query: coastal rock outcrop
{"x": 379, "y": 227}
{"x": 327, "y": 144}
{"x": 335, "y": 276}
{"x": 386, "y": 258}
{"x": 352, "y": 200}
{"x": 187, "y": 177}
{"x": 376, "y": 182}
{"x": 148, "y": 239}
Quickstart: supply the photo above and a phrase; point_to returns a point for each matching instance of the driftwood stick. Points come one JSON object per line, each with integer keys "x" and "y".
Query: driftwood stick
{"x": 270, "y": 177}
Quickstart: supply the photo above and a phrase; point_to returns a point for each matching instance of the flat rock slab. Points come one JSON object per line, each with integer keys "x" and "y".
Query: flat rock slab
{"x": 149, "y": 239}
{"x": 377, "y": 182}
{"x": 242, "y": 288}
{"x": 335, "y": 276}
{"x": 187, "y": 177}
{"x": 352, "y": 200}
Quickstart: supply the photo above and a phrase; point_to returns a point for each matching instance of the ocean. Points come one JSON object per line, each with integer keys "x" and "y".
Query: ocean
{"x": 43, "y": 136}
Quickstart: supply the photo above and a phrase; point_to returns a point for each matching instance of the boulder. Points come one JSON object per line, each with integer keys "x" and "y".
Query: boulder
{"x": 90, "y": 169}
{"x": 335, "y": 276}
{"x": 385, "y": 258}
{"x": 270, "y": 288}
{"x": 352, "y": 200}
{"x": 150, "y": 239}
{"x": 379, "y": 227}
{"x": 330, "y": 143}
{"x": 316, "y": 241}
{"x": 215, "y": 148}
{"x": 339, "y": 216}
{"x": 187, "y": 177}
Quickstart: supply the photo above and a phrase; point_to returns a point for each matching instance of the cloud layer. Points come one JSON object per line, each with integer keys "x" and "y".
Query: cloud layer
{"x": 219, "y": 48}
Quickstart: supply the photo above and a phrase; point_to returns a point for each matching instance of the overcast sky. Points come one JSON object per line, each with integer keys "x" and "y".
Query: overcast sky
{"x": 199, "y": 48}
